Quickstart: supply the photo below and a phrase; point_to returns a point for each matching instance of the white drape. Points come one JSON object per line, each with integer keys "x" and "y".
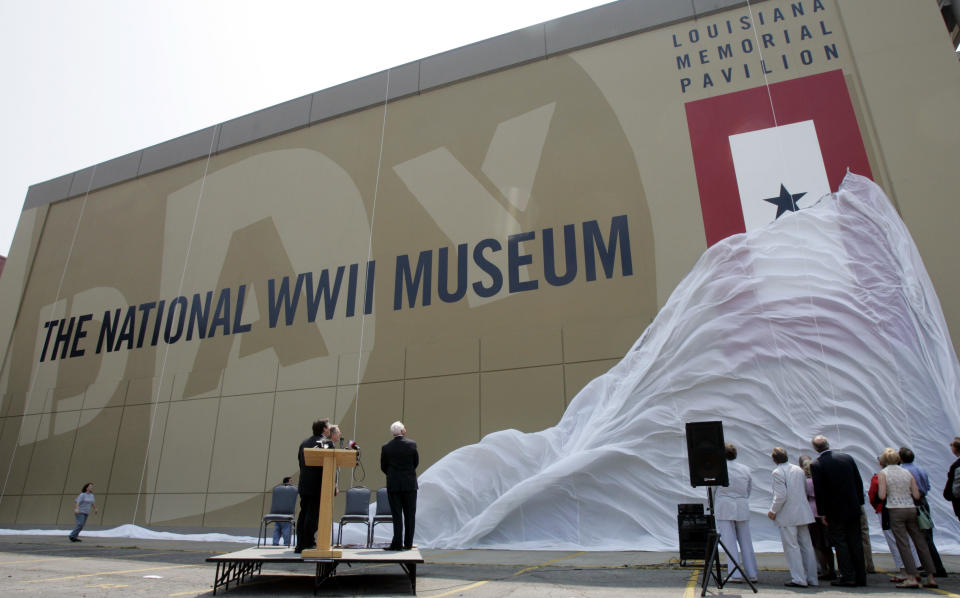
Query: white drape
{"x": 824, "y": 322}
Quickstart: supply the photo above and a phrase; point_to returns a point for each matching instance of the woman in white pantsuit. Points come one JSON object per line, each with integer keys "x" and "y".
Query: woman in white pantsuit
{"x": 732, "y": 512}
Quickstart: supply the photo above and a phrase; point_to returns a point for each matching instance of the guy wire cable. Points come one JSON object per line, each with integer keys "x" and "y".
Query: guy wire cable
{"x": 56, "y": 299}
{"x": 373, "y": 217}
{"x": 166, "y": 352}
{"x": 773, "y": 114}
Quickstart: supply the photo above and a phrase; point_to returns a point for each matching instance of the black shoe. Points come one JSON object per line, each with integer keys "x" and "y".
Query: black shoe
{"x": 408, "y": 547}
{"x": 790, "y": 584}
{"x": 72, "y": 539}
{"x": 392, "y": 548}
{"x": 843, "y": 583}
{"x": 827, "y": 576}
{"x": 940, "y": 574}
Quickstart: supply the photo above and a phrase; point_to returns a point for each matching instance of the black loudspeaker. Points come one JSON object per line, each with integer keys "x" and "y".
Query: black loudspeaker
{"x": 705, "y": 454}
{"x": 693, "y": 527}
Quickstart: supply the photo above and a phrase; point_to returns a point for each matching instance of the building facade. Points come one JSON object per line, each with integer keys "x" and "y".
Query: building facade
{"x": 460, "y": 243}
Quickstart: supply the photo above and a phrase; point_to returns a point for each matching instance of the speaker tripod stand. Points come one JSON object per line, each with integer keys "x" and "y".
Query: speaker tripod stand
{"x": 711, "y": 561}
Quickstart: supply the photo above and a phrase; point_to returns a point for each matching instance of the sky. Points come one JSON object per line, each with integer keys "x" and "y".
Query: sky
{"x": 86, "y": 81}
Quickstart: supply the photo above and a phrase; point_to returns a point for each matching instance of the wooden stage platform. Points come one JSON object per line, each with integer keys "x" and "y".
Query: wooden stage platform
{"x": 237, "y": 566}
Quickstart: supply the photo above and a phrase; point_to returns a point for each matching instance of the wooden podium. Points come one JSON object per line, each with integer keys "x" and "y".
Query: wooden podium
{"x": 330, "y": 460}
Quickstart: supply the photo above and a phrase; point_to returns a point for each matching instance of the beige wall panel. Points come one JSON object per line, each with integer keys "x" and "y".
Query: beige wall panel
{"x": 452, "y": 356}
{"x": 20, "y": 433}
{"x": 38, "y": 509}
{"x": 39, "y": 401}
{"x": 577, "y": 375}
{"x": 252, "y": 375}
{"x": 13, "y": 404}
{"x": 294, "y": 412}
{"x": 137, "y": 432}
{"x": 143, "y": 391}
{"x": 68, "y": 398}
{"x": 384, "y": 364}
{"x": 9, "y": 432}
{"x": 17, "y": 269}
{"x": 380, "y": 405}
{"x": 312, "y": 373}
{"x": 8, "y": 508}
{"x": 242, "y": 443}
{"x": 93, "y": 454}
{"x": 118, "y": 509}
{"x": 520, "y": 347}
{"x": 177, "y": 509}
{"x": 441, "y": 414}
{"x": 528, "y": 399}
{"x": 67, "y": 518}
{"x": 233, "y": 510}
{"x": 111, "y": 393}
{"x": 51, "y": 455}
{"x": 210, "y": 380}
{"x": 601, "y": 338}
{"x": 187, "y": 446}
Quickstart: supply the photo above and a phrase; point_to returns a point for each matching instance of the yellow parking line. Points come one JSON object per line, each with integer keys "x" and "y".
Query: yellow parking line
{"x": 108, "y": 573}
{"x": 459, "y": 590}
{"x": 562, "y": 558}
{"x": 944, "y": 592}
{"x": 520, "y": 572}
{"x": 49, "y": 558}
{"x": 691, "y": 590}
{"x": 78, "y": 558}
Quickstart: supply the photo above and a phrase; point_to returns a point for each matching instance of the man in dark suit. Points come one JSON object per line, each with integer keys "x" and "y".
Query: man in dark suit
{"x": 953, "y": 479}
{"x": 311, "y": 479}
{"x": 399, "y": 460}
{"x": 839, "y": 492}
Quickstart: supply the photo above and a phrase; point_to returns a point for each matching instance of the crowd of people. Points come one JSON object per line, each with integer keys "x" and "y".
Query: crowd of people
{"x": 818, "y": 506}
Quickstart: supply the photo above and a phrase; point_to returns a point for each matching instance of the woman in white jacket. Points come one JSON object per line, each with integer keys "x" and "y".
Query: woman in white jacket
{"x": 732, "y": 512}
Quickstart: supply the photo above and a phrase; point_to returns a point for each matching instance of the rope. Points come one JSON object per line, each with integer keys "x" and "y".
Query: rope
{"x": 166, "y": 352}
{"x": 806, "y": 271}
{"x": 363, "y": 311}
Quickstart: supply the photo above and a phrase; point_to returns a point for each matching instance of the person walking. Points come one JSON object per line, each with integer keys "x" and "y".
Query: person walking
{"x": 85, "y": 501}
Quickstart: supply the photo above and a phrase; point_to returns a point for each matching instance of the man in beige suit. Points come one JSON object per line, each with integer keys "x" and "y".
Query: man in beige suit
{"x": 791, "y": 512}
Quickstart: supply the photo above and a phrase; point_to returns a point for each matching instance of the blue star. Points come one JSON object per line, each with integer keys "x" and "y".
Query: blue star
{"x": 785, "y": 202}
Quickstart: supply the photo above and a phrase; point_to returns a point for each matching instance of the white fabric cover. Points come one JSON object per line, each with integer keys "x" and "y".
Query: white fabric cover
{"x": 824, "y": 322}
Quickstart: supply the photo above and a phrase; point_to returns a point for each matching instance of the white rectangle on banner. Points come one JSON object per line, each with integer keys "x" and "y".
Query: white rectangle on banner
{"x": 766, "y": 159}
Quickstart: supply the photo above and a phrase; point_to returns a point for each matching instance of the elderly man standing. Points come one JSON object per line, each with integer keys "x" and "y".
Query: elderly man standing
{"x": 399, "y": 460}
{"x": 791, "y": 512}
{"x": 839, "y": 494}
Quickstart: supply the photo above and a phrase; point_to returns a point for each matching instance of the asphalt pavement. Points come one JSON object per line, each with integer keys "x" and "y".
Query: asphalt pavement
{"x": 52, "y": 566}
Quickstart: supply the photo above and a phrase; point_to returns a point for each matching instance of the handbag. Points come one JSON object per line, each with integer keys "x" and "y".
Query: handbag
{"x": 924, "y": 521}
{"x": 884, "y": 516}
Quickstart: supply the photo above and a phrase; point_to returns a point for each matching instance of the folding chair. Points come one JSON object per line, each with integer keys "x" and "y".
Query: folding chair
{"x": 383, "y": 514}
{"x": 283, "y": 505}
{"x": 356, "y": 511}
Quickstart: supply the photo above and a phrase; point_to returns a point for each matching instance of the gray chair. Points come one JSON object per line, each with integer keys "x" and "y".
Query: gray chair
{"x": 283, "y": 505}
{"x": 383, "y": 514}
{"x": 356, "y": 511}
